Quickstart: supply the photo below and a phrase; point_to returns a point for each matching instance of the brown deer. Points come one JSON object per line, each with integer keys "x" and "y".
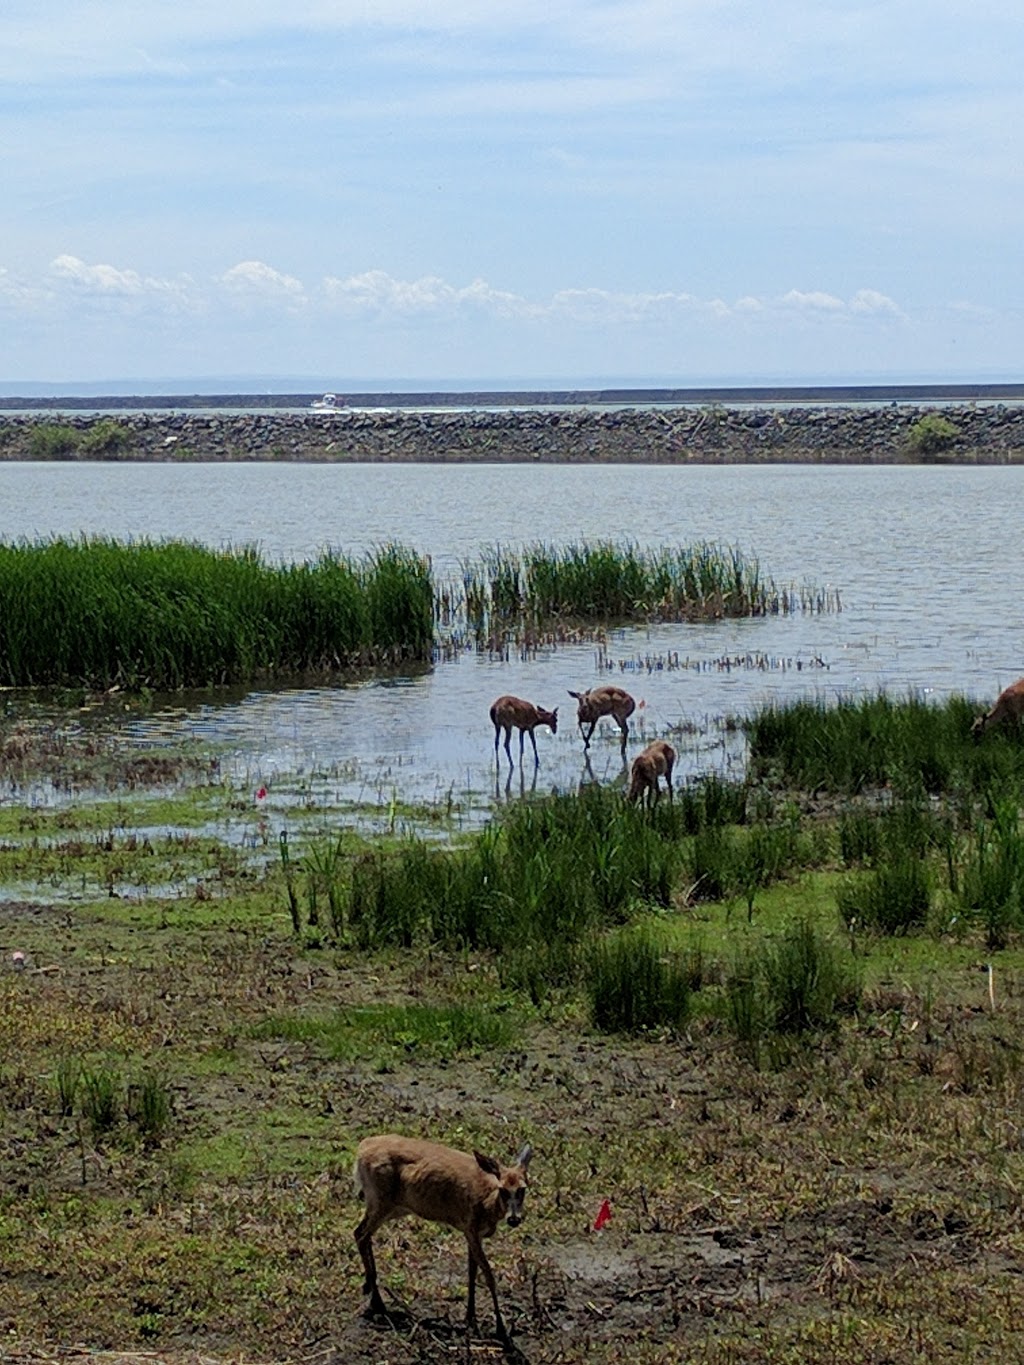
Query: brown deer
{"x": 603, "y": 701}
{"x": 400, "y": 1175}
{"x": 657, "y": 760}
{"x": 510, "y": 713}
{"x": 1008, "y": 710}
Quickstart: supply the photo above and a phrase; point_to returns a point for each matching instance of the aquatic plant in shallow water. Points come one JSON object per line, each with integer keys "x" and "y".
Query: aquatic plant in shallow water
{"x": 604, "y": 581}
{"x": 104, "y": 613}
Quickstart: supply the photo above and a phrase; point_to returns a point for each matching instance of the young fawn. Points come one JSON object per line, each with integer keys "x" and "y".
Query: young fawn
{"x": 510, "y": 713}
{"x": 400, "y": 1175}
{"x": 603, "y": 701}
{"x": 1009, "y": 709}
{"x": 657, "y": 760}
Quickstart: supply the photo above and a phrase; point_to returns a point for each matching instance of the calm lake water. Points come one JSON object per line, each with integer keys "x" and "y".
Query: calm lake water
{"x": 927, "y": 562}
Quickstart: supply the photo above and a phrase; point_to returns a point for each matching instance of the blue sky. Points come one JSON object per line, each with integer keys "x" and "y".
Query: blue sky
{"x": 570, "y": 192}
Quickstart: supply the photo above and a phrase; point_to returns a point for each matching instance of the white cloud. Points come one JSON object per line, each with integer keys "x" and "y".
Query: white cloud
{"x": 871, "y": 301}
{"x": 814, "y": 301}
{"x": 254, "y": 283}
{"x": 376, "y": 294}
{"x": 108, "y": 284}
{"x": 99, "y": 279}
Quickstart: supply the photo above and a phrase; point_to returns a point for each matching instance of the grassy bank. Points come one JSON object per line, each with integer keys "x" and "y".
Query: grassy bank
{"x": 791, "y": 1066}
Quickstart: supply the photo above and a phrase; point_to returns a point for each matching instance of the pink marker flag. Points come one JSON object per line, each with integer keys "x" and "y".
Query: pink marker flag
{"x": 261, "y": 794}
{"x": 604, "y": 1213}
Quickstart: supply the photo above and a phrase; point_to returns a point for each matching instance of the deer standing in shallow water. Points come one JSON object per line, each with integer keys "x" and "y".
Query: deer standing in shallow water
{"x": 1008, "y": 710}
{"x": 603, "y": 701}
{"x": 510, "y": 713}
{"x": 657, "y": 760}
{"x": 400, "y": 1175}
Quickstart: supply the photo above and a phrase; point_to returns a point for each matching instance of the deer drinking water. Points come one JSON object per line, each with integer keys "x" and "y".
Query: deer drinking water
{"x": 400, "y": 1175}
{"x": 657, "y": 760}
{"x": 510, "y": 713}
{"x": 603, "y": 701}
{"x": 1008, "y": 710}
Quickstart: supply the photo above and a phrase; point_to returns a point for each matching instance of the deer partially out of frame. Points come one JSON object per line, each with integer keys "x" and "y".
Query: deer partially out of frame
{"x": 657, "y": 760}
{"x": 1008, "y": 710}
{"x": 603, "y": 701}
{"x": 510, "y": 713}
{"x": 400, "y": 1175}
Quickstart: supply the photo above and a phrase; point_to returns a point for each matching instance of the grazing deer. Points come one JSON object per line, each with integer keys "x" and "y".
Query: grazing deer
{"x": 510, "y": 713}
{"x": 400, "y": 1175}
{"x": 604, "y": 701}
{"x": 1009, "y": 709}
{"x": 657, "y": 760}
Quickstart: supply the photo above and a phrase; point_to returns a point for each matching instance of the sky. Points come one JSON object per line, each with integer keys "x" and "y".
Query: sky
{"x": 543, "y": 192}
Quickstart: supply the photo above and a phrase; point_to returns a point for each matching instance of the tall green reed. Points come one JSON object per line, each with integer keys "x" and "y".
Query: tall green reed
{"x": 854, "y": 744}
{"x": 604, "y": 580}
{"x": 634, "y": 981}
{"x": 106, "y": 613}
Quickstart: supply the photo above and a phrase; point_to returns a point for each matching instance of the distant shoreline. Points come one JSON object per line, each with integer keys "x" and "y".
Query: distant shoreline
{"x": 797, "y": 395}
{"x": 985, "y": 432}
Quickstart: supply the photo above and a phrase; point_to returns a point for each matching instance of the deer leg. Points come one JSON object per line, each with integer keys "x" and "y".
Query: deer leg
{"x": 508, "y": 745}
{"x": 364, "y": 1241}
{"x": 624, "y": 727}
{"x": 471, "y": 1298}
{"x": 586, "y": 737}
{"x": 477, "y": 1257}
{"x": 497, "y": 737}
{"x": 536, "y": 756}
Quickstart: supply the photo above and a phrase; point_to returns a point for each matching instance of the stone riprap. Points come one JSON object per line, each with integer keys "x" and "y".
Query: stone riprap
{"x": 883, "y": 434}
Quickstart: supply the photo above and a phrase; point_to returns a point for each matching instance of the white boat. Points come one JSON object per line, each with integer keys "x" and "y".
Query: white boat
{"x": 329, "y": 403}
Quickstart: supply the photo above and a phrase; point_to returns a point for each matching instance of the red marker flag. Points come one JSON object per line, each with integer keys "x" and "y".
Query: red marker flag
{"x": 604, "y": 1213}
{"x": 261, "y": 794}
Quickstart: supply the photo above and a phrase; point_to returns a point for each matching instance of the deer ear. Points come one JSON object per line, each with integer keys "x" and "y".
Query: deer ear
{"x": 577, "y": 695}
{"x": 523, "y": 1159}
{"x": 488, "y": 1164}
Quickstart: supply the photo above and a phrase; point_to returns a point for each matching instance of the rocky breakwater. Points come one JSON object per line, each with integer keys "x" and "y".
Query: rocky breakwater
{"x": 884, "y": 434}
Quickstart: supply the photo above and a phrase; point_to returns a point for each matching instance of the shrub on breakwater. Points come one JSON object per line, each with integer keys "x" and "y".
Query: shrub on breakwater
{"x": 103, "y": 613}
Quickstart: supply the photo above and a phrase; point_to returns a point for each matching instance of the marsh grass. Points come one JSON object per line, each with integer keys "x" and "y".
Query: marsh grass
{"x": 67, "y": 1078}
{"x": 865, "y": 1132}
{"x": 798, "y": 983}
{"x": 102, "y": 613}
{"x": 102, "y": 1099}
{"x": 441, "y": 1030}
{"x": 611, "y": 581}
{"x": 635, "y": 980}
{"x": 148, "y": 1105}
{"x": 552, "y": 870}
{"x": 991, "y": 889}
{"x": 862, "y": 743}
{"x": 894, "y": 897}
